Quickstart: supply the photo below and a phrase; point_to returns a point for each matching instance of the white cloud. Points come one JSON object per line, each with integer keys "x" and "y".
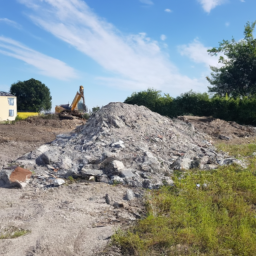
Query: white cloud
{"x": 227, "y": 24}
{"x": 208, "y": 5}
{"x": 147, "y": 2}
{"x": 168, "y": 10}
{"x": 163, "y": 37}
{"x": 46, "y": 65}
{"x": 242, "y": 1}
{"x": 134, "y": 62}
{"x": 10, "y": 22}
{"x": 197, "y": 52}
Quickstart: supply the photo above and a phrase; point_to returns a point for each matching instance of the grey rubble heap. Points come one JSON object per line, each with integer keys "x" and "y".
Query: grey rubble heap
{"x": 126, "y": 144}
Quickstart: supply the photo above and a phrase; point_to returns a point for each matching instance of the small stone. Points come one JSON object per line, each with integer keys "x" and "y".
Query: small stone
{"x": 120, "y": 205}
{"x": 108, "y": 199}
{"x": 168, "y": 181}
{"x": 223, "y": 137}
{"x": 127, "y": 173}
{"x": 119, "y": 144}
{"x": 91, "y": 172}
{"x": 117, "y": 179}
{"x": 129, "y": 195}
{"x": 91, "y": 178}
{"x": 58, "y": 182}
{"x": 118, "y": 165}
{"x": 103, "y": 178}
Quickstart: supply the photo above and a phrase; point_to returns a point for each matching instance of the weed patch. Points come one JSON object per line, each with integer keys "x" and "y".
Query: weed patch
{"x": 238, "y": 150}
{"x": 205, "y": 213}
{"x": 13, "y": 232}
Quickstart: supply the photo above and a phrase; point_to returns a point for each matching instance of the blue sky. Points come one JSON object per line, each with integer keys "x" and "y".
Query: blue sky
{"x": 115, "y": 47}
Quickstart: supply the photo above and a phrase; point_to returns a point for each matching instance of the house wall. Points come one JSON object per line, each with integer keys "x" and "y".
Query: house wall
{"x": 5, "y": 107}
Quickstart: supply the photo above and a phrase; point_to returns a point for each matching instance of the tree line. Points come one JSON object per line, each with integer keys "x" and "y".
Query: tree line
{"x": 241, "y": 110}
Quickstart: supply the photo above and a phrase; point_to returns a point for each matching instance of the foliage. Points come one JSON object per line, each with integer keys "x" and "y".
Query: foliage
{"x": 70, "y": 179}
{"x": 95, "y": 109}
{"x": 86, "y": 116}
{"x": 147, "y": 98}
{"x": 204, "y": 213}
{"x": 32, "y": 95}
{"x": 237, "y": 76}
{"x": 241, "y": 110}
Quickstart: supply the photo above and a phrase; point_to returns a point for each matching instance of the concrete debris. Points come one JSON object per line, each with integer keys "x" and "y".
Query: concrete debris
{"x": 129, "y": 195}
{"x": 127, "y": 144}
{"x": 15, "y": 177}
{"x": 223, "y": 137}
{"x": 108, "y": 199}
{"x": 58, "y": 182}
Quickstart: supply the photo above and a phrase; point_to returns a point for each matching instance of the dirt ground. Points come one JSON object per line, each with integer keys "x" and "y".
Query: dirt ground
{"x": 25, "y": 136}
{"x": 220, "y": 130}
{"x": 68, "y": 220}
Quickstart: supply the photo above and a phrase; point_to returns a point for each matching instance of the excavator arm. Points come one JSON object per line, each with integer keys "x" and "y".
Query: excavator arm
{"x": 77, "y": 98}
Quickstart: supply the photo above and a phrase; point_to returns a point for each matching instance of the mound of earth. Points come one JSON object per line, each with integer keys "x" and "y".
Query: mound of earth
{"x": 126, "y": 144}
{"x": 219, "y": 129}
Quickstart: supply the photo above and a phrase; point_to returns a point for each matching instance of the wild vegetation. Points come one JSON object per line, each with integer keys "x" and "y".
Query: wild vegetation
{"x": 204, "y": 213}
{"x": 13, "y": 232}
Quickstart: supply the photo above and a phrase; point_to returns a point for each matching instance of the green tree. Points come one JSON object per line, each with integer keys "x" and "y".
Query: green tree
{"x": 148, "y": 98}
{"x": 32, "y": 95}
{"x": 237, "y": 76}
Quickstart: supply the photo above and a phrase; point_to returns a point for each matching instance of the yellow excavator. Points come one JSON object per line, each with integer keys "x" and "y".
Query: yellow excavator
{"x": 77, "y": 108}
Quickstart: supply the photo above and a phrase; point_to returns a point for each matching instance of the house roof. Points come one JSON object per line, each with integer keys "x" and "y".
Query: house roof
{"x": 5, "y": 94}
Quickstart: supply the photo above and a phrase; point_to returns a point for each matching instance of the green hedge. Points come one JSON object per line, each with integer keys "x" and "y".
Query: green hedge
{"x": 241, "y": 110}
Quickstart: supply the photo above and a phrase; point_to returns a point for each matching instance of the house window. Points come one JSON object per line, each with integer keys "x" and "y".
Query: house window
{"x": 11, "y": 101}
{"x": 11, "y": 112}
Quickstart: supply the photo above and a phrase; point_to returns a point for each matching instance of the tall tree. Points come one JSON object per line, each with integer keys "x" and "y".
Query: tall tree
{"x": 32, "y": 95}
{"x": 237, "y": 76}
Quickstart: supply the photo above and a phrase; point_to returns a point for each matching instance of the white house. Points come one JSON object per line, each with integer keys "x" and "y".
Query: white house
{"x": 8, "y": 106}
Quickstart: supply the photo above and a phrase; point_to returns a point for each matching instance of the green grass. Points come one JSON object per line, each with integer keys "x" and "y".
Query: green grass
{"x": 70, "y": 179}
{"x": 238, "y": 150}
{"x": 13, "y": 232}
{"x": 218, "y": 218}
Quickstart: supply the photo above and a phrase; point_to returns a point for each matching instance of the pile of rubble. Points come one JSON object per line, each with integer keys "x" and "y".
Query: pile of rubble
{"x": 126, "y": 144}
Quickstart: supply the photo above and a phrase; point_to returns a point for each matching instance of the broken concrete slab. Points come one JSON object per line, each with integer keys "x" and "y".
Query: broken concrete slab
{"x": 18, "y": 177}
{"x": 90, "y": 172}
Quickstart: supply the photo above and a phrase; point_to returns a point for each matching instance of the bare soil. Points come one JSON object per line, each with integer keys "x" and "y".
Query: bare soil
{"x": 69, "y": 220}
{"x": 215, "y": 128}
{"x": 25, "y": 136}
